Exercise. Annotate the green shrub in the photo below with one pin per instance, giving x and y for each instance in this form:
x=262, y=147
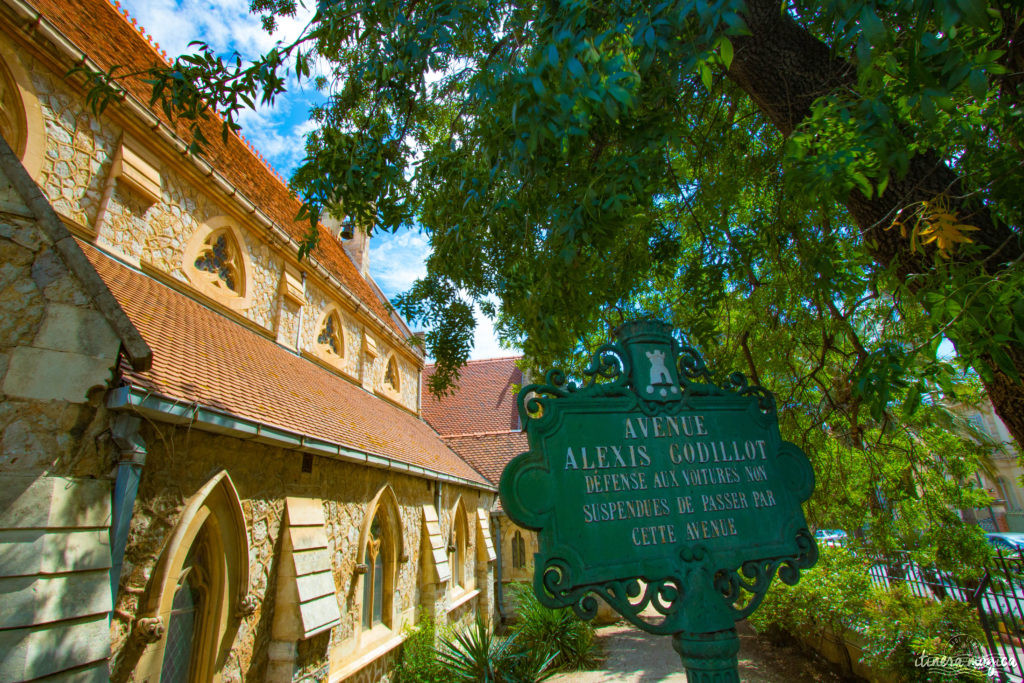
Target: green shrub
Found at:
x=558, y=632
x=897, y=627
x=419, y=662
x=833, y=594
x=901, y=627
x=477, y=655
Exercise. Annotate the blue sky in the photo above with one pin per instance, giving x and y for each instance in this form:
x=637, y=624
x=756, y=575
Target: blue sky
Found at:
x=278, y=131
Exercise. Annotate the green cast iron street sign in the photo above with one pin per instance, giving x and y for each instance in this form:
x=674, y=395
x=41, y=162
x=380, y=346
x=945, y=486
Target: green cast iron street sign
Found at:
x=651, y=486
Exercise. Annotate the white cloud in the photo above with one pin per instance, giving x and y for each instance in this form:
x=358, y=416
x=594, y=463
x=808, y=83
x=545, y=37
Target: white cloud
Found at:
x=399, y=259
x=278, y=132
x=226, y=25
x=485, y=341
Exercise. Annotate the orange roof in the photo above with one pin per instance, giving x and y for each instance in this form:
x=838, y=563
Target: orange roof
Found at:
x=489, y=453
x=483, y=402
x=101, y=32
x=202, y=356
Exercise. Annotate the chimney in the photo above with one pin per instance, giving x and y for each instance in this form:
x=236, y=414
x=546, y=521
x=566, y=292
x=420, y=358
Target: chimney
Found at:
x=354, y=239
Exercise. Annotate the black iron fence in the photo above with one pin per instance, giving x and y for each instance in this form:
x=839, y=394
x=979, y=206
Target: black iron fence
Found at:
x=999, y=600
x=997, y=596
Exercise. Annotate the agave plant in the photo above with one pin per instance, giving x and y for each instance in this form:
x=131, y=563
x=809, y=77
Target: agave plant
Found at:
x=559, y=631
x=478, y=655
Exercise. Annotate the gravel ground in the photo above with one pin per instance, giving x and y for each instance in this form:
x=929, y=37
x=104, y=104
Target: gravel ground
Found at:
x=633, y=656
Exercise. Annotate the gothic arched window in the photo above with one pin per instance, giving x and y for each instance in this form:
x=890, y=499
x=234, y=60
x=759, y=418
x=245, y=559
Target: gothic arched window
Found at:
x=518, y=551
x=191, y=614
x=186, y=622
x=373, y=583
x=379, y=553
x=457, y=545
x=392, y=379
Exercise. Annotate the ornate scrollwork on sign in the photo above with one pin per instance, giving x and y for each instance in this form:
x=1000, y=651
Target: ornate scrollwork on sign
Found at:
x=652, y=486
x=744, y=589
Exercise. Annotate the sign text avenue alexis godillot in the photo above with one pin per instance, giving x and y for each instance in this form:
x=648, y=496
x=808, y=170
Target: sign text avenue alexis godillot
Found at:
x=651, y=486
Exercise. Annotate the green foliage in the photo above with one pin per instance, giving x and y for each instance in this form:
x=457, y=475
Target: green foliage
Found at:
x=894, y=626
x=900, y=627
x=560, y=632
x=579, y=164
x=563, y=156
x=477, y=655
x=419, y=663
x=832, y=594
x=540, y=643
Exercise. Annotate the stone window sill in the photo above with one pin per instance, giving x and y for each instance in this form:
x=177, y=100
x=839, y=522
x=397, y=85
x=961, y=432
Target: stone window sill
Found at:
x=368, y=657
x=462, y=599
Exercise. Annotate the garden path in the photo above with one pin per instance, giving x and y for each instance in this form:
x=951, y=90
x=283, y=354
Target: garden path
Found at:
x=633, y=656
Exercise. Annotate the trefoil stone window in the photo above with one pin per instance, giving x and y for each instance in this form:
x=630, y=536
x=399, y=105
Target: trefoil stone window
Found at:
x=330, y=340
x=220, y=259
x=217, y=263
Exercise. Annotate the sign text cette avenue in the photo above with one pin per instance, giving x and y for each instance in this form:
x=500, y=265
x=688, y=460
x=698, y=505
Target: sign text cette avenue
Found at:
x=651, y=485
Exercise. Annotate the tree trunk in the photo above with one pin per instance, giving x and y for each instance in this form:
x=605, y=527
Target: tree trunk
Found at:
x=784, y=69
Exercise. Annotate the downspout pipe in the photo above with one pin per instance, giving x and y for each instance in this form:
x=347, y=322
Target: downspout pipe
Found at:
x=498, y=598
x=125, y=432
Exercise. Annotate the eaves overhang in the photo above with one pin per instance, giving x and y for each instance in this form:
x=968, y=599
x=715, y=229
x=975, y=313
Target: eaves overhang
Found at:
x=178, y=411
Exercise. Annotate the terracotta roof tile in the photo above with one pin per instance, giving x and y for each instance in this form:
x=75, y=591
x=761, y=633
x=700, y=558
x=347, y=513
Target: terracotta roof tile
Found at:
x=489, y=453
x=101, y=32
x=202, y=356
x=484, y=401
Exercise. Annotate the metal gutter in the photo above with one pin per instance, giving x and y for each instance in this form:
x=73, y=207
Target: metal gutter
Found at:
x=178, y=411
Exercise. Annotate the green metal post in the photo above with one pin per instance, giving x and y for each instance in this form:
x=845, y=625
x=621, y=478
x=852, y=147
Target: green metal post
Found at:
x=709, y=657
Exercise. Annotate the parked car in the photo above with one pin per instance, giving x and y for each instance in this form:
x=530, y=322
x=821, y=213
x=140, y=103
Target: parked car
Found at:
x=830, y=537
x=1006, y=541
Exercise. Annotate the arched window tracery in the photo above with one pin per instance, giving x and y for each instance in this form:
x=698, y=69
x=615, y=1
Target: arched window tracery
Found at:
x=200, y=588
x=220, y=258
x=217, y=263
x=380, y=552
x=330, y=339
x=458, y=544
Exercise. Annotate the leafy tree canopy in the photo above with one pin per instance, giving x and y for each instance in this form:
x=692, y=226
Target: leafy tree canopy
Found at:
x=772, y=174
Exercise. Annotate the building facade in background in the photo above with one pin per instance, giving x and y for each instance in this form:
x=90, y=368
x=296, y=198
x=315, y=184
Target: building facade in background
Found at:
x=1006, y=513
x=480, y=421
x=213, y=465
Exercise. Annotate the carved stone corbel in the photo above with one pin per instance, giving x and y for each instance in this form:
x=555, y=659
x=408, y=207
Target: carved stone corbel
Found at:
x=247, y=606
x=149, y=629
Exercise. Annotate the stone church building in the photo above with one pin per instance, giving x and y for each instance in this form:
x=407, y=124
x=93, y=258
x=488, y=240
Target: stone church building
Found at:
x=480, y=421
x=213, y=460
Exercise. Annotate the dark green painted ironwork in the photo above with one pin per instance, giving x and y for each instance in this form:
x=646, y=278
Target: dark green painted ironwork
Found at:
x=651, y=486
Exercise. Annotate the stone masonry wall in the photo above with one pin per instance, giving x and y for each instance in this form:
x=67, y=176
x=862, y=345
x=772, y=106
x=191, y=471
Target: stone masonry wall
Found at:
x=80, y=150
x=56, y=355
x=180, y=461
